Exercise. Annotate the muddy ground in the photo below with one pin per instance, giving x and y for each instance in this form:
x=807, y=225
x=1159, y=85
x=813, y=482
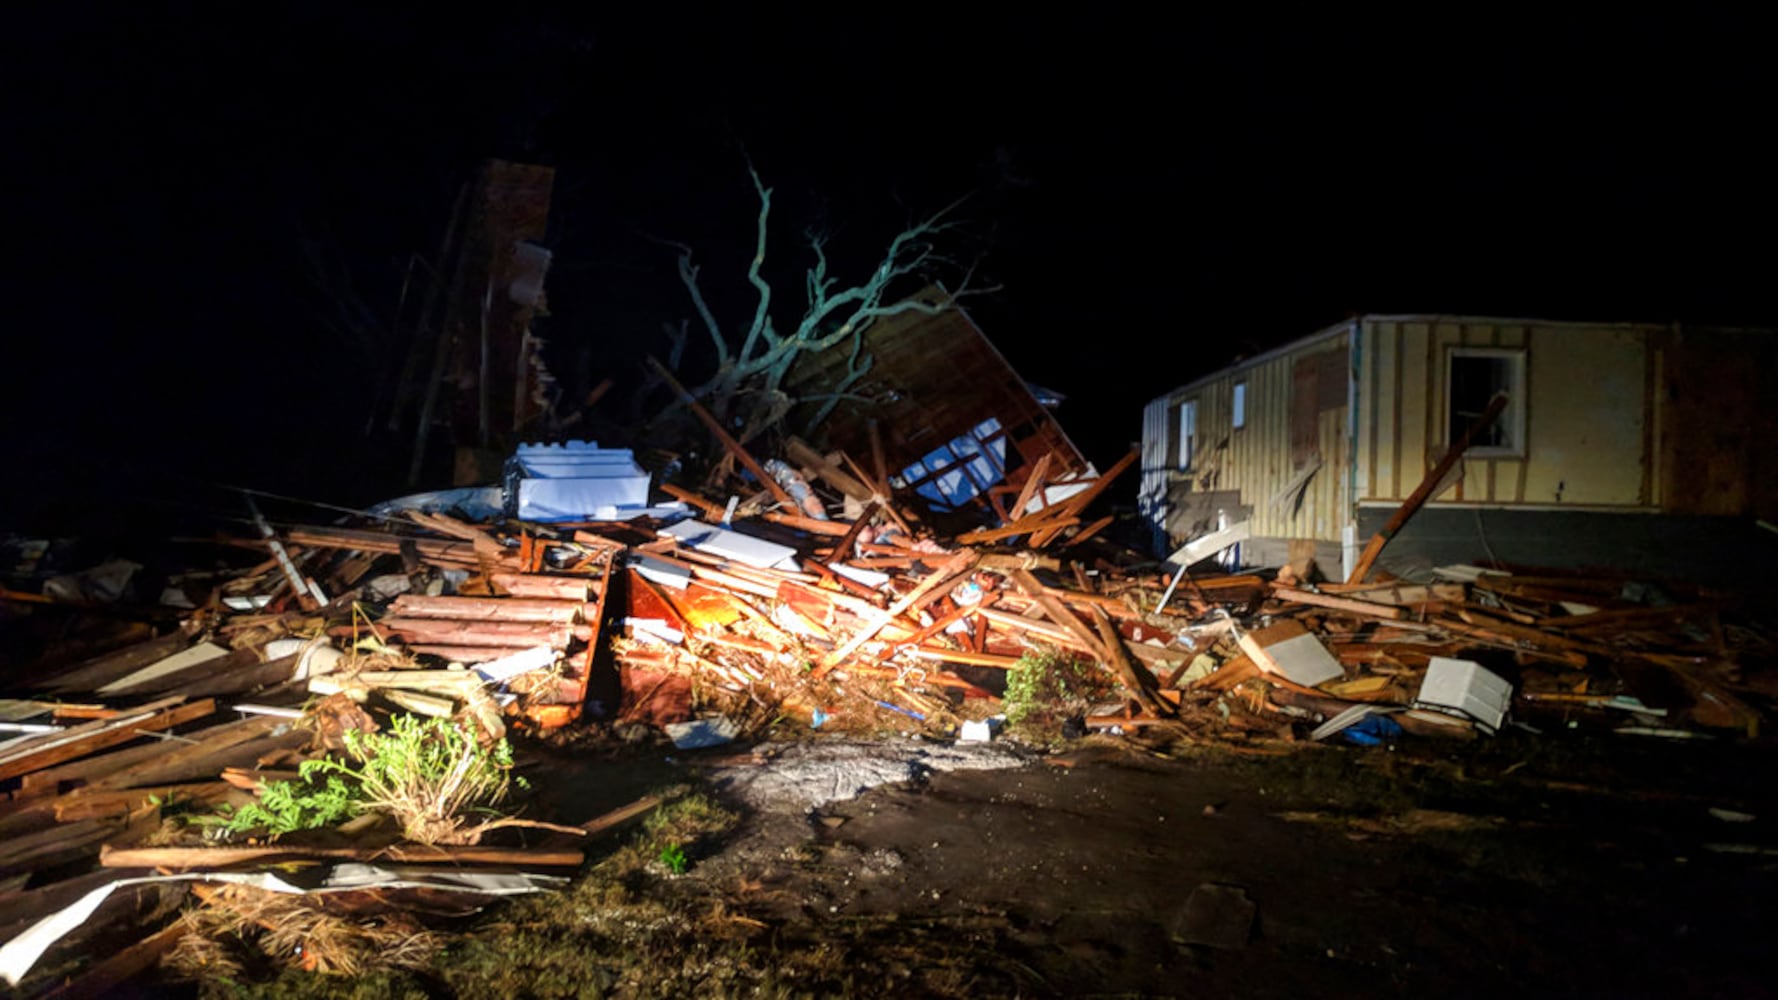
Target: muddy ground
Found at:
x=1529, y=864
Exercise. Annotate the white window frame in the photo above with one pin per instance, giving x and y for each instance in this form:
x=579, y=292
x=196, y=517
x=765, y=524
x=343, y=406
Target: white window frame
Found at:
x=1188, y=434
x=1512, y=418
x=1238, y=405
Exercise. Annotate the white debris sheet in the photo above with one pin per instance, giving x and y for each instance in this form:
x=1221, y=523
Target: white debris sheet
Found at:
x=809, y=775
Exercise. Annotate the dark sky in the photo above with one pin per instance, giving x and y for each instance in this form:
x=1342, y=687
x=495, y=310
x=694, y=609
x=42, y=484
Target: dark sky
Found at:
x=1156, y=196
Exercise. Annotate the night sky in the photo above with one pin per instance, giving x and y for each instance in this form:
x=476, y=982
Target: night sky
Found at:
x=1153, y=197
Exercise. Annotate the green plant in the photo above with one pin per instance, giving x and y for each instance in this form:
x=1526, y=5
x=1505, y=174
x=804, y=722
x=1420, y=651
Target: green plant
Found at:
x=288, y=806
x=672, y=857
x=432, y=775
x=1043, y=688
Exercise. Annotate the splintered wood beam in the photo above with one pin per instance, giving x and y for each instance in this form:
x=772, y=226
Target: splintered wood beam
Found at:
x=1052, y=631
x=1043, y=520
x=1056, y=610
x=1033, y=483
x=710, y=508
x=1091, y=529
x=799, y=451
x=1047, y=535
x=1424, y=491
x=778, y=492
x=1078, y=502
x=925, y=593
x=843, y=548
x=813, y=526
x=1138, y=680
x=429, y=549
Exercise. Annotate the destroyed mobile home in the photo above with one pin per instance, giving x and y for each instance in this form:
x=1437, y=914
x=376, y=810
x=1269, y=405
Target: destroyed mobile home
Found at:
x=724, y=624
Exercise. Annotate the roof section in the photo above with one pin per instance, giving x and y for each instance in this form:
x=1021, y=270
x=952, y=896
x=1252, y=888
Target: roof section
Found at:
x=1331, y=331
x=1327, y=333
x=933, y=377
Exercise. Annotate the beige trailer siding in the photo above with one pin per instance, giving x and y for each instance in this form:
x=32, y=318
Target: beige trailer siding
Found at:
x=1257, y=459
x=1588, y=388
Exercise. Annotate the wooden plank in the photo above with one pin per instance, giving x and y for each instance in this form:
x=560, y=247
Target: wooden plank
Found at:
x=51, y=779
x=1055, y=632
x=798, y=451
x=86, y=804
x=185, y=858
x=504, y=609
x=1049, y=534
x=963, y=656
x=67, y=746
x=1091, y=529
x=216, y=748
x=1057, y=611
x=710, y=508
x=813, y=526
x=202, y=661
x=430, y=550
x=842, y=549
x=1347, y=604
x=1033, y=483
x=722, y=436
x=104, y=669
x=599, y=824
x=240, y=680
x=448, y=631
x=61, y=843
x=564, y=588
x=923, y=594
x=1400, y=594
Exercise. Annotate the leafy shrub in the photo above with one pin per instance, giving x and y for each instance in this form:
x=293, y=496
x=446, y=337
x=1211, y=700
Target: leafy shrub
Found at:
x=1042, y=689
x=430, y=774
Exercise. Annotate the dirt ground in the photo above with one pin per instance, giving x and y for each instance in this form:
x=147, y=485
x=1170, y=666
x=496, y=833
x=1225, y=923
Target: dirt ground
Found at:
x=1109, y=868
x=1529, y=864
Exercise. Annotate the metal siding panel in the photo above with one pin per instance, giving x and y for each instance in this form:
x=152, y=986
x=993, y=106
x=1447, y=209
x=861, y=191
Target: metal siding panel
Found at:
x=1412, y=380
x=1152, y=492
x=1385, y=393
x=1362, y=465
x=1584, y=427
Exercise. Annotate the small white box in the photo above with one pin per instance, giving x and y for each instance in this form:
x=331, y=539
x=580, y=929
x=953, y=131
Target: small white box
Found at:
x=1465, y=687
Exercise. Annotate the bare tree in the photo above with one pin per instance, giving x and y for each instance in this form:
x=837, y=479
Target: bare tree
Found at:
x=752, y=362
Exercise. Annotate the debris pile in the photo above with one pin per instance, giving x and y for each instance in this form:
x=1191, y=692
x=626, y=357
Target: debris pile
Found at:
x=807, y=604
